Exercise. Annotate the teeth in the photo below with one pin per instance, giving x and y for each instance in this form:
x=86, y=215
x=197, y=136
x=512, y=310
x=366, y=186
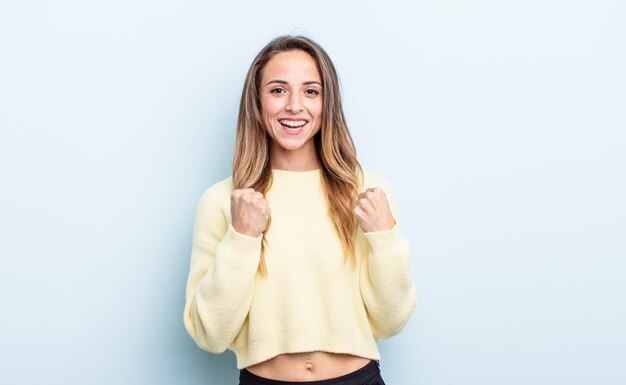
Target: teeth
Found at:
x=290, y=123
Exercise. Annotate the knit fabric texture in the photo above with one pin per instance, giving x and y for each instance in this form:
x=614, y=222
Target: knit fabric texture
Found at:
x=310, y=299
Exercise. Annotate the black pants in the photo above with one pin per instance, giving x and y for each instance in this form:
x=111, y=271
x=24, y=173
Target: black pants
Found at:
x=367, y=375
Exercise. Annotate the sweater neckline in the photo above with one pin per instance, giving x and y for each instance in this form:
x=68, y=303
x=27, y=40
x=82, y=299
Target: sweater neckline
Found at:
x=296, y=177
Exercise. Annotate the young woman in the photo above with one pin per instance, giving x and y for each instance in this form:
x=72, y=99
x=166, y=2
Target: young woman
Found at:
x=297, y=263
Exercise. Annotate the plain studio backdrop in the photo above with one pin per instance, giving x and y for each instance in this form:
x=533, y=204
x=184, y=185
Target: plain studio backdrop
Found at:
x=500, y=125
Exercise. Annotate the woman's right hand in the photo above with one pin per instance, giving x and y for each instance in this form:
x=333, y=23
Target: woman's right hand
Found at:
x=250, y=212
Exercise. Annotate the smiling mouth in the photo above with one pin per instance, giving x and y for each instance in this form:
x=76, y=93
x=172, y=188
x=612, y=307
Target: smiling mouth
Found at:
x=293, y=127
x=292, y=124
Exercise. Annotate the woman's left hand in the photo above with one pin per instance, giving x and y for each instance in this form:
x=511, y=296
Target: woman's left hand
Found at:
x=372, y=210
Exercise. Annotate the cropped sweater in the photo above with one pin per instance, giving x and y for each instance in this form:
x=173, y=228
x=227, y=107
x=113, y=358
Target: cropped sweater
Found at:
x=309, y=300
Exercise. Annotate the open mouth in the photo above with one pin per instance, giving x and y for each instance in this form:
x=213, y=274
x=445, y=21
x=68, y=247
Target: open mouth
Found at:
x=293, y=127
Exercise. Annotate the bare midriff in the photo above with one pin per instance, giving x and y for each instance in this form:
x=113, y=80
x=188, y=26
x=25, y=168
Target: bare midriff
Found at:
x=310, y=366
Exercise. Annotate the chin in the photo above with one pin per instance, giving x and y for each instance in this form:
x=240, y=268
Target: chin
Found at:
x=291, y=147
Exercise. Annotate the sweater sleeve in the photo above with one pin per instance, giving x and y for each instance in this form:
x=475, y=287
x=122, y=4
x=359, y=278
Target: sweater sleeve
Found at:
x=220, y=285
x=387, y=289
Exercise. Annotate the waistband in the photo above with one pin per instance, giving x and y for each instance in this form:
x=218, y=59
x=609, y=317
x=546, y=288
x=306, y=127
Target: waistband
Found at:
x=358, y=377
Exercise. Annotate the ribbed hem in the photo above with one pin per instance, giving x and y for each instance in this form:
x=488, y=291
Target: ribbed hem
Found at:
x=306, y=340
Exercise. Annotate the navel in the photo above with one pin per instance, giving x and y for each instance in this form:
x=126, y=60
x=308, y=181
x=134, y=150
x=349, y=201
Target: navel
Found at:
x=308, y=364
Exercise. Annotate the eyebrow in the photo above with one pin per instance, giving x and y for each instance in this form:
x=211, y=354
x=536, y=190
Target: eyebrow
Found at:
x=304, y=83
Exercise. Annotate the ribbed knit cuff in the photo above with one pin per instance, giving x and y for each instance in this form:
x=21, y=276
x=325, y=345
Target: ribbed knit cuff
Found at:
x=384, y=239
x=238, y=234
x=239, y=244
x=389, y=244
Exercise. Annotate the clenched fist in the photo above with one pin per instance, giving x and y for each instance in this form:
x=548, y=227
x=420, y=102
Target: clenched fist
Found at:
x=250, y=212
x=372, y=210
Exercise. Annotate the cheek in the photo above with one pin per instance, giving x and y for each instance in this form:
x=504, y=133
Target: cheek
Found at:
x=315, y=108
x=318, y=109
x=269, y=107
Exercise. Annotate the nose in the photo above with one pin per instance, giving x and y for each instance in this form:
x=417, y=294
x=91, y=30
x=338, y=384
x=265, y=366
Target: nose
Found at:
x=294, y=104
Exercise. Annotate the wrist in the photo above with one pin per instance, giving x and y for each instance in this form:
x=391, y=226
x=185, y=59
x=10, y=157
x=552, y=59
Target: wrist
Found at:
x=245, y=232
x=388, y=226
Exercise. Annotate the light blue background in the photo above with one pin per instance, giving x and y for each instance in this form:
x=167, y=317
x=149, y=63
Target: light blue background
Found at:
x=500, y=125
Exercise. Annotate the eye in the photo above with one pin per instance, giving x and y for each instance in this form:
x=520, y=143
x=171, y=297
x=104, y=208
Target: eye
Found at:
x=275, y=90
x=312, y=92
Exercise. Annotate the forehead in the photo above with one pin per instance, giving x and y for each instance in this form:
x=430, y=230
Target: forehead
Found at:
x=291, y=65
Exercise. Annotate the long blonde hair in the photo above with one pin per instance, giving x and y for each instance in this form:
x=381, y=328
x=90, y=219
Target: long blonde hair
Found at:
x=341, y=172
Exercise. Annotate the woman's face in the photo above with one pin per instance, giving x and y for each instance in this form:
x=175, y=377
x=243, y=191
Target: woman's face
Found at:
x=291, y=102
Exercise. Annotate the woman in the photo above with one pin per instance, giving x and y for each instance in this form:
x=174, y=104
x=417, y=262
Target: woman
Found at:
x=297, y=264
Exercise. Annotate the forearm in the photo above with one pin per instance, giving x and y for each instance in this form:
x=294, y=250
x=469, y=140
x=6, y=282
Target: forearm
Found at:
x=388, y=291
x=220, y=289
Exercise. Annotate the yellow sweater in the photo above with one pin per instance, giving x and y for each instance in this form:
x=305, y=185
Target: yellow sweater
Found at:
x=310, y=300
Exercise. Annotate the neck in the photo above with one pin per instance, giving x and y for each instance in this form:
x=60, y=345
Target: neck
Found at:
x=303, y=159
